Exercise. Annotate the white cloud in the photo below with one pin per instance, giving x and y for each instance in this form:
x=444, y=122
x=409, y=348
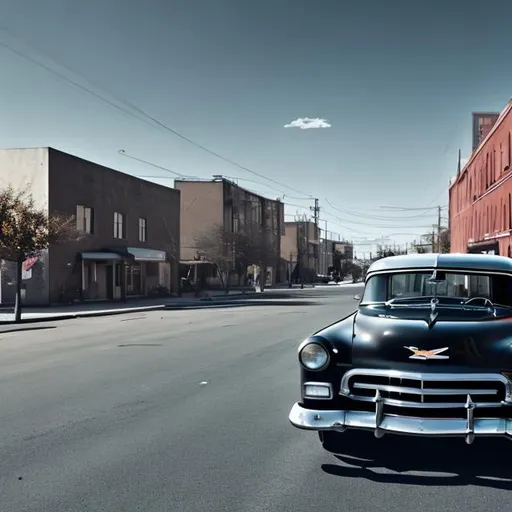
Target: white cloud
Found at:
x=308, y=123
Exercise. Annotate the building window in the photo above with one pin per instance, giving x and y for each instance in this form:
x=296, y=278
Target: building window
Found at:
x=143, y=225
x=119, y=225
x=510, y=211
x=84, y=219
x=509, y=152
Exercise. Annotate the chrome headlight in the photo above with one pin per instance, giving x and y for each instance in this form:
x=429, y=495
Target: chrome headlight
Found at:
x=314, y=357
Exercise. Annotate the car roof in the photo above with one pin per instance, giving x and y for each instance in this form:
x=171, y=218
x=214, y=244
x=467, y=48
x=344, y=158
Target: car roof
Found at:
x=476, y=262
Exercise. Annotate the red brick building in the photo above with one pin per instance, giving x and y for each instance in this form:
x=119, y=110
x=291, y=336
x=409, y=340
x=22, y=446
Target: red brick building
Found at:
x=481, y=194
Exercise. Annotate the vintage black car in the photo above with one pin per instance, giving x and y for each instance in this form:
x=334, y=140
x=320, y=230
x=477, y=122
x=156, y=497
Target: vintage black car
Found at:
x=428, y=352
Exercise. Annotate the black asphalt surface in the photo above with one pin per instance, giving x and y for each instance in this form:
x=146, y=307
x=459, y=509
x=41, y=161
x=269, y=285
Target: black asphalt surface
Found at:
x=188, y=411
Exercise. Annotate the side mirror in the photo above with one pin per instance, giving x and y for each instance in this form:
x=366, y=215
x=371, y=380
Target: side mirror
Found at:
x=357, y=297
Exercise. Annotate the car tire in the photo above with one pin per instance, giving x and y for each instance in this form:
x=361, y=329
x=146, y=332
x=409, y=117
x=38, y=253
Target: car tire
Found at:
x=331, y=440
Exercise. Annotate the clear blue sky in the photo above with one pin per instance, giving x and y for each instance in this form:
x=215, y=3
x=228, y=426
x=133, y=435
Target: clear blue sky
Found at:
x=396, y=80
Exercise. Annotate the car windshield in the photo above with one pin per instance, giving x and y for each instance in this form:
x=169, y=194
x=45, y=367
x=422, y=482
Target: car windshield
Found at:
x=413, y=285
x=453, y=285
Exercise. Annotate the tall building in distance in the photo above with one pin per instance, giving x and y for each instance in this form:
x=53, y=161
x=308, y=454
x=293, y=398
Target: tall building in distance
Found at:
x=482, y=125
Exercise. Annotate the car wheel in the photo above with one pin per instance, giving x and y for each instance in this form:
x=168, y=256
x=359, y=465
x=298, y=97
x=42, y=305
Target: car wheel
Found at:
x=331, y=440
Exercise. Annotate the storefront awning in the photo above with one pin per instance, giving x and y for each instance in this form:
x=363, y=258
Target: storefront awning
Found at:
x=138, y=254
x=195, y=262
x=147, y=254
x=100, y=256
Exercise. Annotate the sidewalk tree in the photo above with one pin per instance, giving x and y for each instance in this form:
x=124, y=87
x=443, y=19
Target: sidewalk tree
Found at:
x=27, y=230
x=234, y=252
x=219, y=246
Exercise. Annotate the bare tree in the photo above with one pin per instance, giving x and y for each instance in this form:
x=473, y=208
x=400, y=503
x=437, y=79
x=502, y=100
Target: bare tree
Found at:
x=222, y=248
x=26, y=231
x=440, y=244
x=445, y=240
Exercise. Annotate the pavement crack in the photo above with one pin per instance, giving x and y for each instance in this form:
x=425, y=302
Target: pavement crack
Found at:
x=140, y=345
x=133, y=318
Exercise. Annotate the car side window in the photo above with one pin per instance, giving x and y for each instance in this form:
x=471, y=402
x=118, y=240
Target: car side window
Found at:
x=479, y=286
x=407, y=285
x=375, y=289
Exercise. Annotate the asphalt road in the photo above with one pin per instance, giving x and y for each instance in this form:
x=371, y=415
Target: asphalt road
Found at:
x=188, y=411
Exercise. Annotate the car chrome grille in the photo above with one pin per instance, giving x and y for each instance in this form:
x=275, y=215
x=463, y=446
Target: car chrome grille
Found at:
x=427, y=390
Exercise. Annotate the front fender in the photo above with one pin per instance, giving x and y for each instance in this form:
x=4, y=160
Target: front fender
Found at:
x=337, y=340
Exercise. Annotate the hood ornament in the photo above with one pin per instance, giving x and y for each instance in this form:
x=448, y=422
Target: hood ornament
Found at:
x=433, y=313
x=423, y=355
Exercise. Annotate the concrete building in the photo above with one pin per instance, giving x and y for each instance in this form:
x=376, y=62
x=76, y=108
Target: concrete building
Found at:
x=480, y=207
x=333, y=254
x=221, y=202
x=344, y=249
x=131, y=227
x=300, y=250
x=326, y=256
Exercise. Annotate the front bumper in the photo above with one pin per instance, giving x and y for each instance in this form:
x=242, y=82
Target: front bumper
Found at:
x=380, y=424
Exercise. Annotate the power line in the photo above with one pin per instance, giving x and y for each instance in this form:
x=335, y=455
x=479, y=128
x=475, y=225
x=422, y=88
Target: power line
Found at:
x=154, y=121
x=179, y=175
x=174, y=173
x=377, y=217
x=147, y=116
x=405, y=208
x=234, y=178
x=380, y=226
x=146, y=162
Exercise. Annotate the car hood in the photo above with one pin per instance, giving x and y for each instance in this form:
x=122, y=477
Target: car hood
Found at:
x=405, y=343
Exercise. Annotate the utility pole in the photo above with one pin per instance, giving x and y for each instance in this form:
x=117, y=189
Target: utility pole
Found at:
x=290, y=270
x=316, y=211
x=326, y=248
x=316, y=215
x=301, y=238
x=439, y=229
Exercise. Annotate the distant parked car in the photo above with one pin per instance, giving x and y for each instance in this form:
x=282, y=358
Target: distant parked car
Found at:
x=427, y=352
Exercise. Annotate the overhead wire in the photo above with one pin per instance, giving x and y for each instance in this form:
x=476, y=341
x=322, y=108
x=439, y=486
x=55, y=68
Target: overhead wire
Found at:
x=154, y=120
x=152, y=164
x=406, y=208
x=376, y=217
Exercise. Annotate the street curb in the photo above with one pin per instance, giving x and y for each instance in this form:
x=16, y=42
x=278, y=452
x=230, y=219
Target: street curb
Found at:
x=70, y=316
x=195, y=305
x=159, y=307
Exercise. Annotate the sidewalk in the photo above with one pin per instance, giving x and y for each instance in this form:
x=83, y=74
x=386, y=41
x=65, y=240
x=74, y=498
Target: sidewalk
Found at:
x=31, y=314
x=91, y=309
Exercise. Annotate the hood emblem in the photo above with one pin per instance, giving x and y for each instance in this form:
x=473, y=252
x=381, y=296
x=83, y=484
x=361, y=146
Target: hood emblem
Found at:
x=433, y=313
x=423, y=355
